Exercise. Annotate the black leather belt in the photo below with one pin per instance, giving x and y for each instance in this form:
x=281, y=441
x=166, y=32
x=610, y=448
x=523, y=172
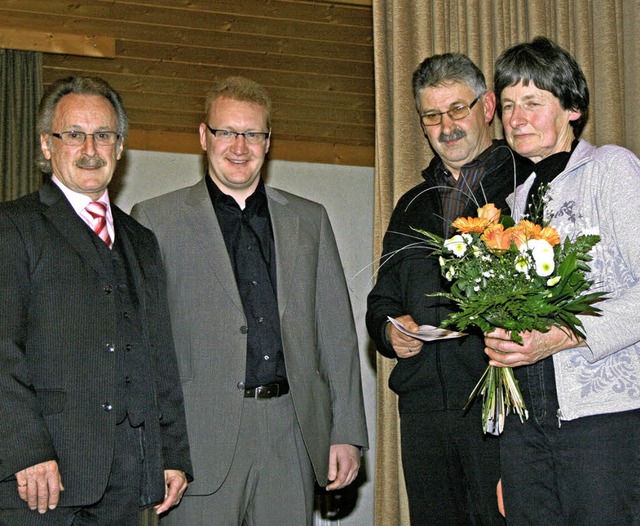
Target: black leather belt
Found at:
x=268, y=391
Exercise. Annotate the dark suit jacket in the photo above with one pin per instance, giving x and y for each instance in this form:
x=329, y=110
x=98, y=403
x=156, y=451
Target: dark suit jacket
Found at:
x=57, y=321
x=318, y=333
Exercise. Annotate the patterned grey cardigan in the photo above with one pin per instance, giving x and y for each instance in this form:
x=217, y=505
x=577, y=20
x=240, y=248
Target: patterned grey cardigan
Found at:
x=599, y=193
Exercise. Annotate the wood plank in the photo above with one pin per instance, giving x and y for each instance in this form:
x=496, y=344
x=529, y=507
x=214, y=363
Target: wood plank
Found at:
x=205, y=56
x=311, y=11
x=217, y=40
x=57, y=42
x=245, y=23
x=177, y=89
x=206, y=74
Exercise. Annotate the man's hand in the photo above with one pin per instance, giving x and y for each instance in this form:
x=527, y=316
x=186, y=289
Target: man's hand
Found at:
x=344, y=463
x=535, y=346
x=404, y=346
x=40, y=486
x=176, y=484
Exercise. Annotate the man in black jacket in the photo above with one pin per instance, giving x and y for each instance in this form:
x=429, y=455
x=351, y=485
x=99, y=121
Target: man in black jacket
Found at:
x=451, y=469
x=93, y=425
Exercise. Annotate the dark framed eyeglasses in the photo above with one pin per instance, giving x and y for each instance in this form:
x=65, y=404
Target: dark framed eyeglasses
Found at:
x=78, y=138
x=251, y=137
x=457, y=113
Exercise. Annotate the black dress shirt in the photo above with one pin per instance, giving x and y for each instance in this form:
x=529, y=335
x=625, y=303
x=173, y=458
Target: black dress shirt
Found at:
x=248, y=236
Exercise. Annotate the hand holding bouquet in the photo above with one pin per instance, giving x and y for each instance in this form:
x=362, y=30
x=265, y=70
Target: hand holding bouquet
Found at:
x=516, y=276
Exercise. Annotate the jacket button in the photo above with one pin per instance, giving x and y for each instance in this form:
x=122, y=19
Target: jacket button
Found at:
x=244, y=329
x=107, y=289
x=111, y=347
x=240, y=385
x=107, y=406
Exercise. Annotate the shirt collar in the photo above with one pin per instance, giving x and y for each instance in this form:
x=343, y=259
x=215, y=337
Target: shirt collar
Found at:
x=79, y=202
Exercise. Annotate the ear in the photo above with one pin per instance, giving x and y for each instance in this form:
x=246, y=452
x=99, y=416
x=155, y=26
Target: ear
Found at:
x=489, y=105
x=574, y=115
x=119, y=150
x=268, y=144
x=203, y=136
x=44, y=145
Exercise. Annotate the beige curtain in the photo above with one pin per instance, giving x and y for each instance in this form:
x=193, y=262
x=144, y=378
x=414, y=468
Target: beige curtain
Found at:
x=20, y=93
x=601, y=34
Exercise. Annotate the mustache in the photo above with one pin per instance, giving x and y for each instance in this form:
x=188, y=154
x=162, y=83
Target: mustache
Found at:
x=90, y=162
x=453, y=136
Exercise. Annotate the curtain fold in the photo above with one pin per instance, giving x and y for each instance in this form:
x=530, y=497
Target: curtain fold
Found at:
x=603, y=35
x=20, y=93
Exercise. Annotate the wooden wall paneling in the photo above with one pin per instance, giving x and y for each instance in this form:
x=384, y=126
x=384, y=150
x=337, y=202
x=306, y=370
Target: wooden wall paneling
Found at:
x=314, y=57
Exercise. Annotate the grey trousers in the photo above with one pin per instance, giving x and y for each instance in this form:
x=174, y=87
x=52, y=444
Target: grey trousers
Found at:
x=271, y=478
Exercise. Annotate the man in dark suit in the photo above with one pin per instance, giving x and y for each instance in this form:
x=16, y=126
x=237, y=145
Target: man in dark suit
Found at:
x=93, y=426
x=264, y=332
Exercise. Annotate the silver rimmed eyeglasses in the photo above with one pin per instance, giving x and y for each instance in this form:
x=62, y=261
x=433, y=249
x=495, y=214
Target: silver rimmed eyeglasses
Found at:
x=78, y=138
x=252, y=137
x=456, y=113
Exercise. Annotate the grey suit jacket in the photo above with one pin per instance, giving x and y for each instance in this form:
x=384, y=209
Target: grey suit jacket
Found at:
x=318, y=333
x=58, y=327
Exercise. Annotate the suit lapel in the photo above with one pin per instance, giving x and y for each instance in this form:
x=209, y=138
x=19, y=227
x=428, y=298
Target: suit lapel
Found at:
x=71, y=227
x=285, y=232
x=204, y=229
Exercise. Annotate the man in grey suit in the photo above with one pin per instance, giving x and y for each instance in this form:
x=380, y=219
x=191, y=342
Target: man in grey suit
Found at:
x=93, y=426
x=264, y=332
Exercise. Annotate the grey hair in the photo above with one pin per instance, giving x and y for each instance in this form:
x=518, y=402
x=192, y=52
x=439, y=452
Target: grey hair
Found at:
x=446, y=68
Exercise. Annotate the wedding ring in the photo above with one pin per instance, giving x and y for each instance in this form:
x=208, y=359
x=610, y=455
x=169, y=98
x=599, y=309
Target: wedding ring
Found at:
x=22, y=485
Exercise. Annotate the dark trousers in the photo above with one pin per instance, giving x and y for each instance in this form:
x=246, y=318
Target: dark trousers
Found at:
x=451, y=469
x=119, y=506
x=583, y=472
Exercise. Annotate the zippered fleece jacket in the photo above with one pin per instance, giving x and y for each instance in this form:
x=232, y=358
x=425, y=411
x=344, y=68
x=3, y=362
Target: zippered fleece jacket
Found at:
x=599, y=193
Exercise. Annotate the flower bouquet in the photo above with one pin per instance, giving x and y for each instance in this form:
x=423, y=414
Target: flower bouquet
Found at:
x=516, y=276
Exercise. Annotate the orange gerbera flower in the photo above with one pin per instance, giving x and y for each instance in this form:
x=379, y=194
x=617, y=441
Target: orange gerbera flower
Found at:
x=489, y=212
x=530, y=230
x=520, y=233
x=467, y=225
x=550, y=235
x=496, y=237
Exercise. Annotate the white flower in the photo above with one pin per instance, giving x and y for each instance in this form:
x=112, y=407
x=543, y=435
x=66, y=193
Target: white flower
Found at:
x=545, y=267
x=553, y=281
x=456, y=244
x=540, y=249
x=542, y=253
x=442, y=261
x=522, y=263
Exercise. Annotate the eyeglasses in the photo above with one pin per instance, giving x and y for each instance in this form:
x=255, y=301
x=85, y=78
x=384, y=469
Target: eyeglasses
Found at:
x=78, y=138
x=457, y=113
x=230, y=136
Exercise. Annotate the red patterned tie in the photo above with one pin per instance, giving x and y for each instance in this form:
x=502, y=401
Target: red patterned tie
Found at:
x=98, y=212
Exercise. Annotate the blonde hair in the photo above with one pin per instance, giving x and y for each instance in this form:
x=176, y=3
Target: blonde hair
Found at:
x=240, y=89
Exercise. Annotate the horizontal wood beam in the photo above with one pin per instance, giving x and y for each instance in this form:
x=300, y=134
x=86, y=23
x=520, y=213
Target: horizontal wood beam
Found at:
x=281, y=150
x=56, y=42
